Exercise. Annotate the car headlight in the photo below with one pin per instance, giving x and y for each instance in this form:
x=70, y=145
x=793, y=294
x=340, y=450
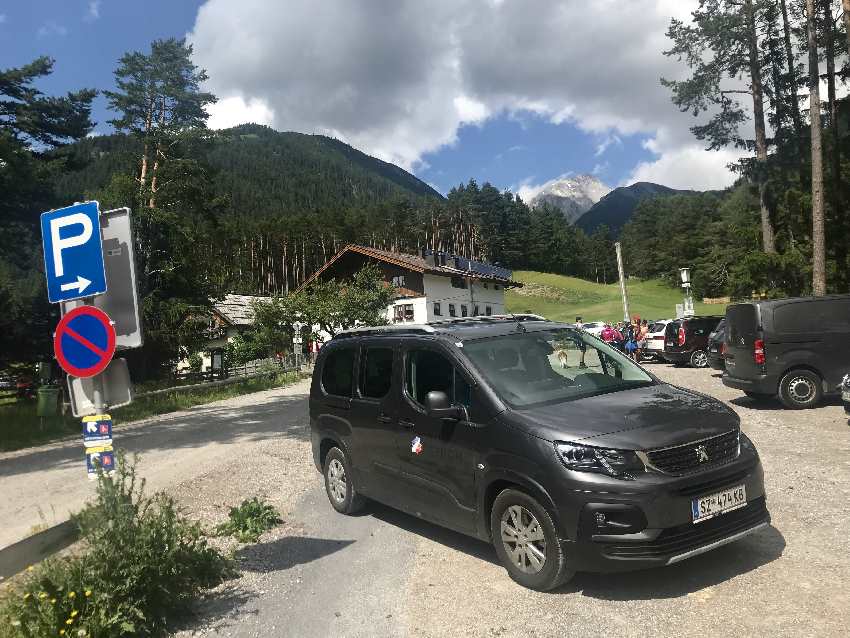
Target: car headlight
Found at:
x=621, y=464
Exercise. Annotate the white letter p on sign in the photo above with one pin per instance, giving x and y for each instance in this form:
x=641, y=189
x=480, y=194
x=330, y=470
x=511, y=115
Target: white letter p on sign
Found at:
x=69, y=242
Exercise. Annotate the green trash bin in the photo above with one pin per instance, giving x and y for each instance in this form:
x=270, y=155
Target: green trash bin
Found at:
x=48, y=401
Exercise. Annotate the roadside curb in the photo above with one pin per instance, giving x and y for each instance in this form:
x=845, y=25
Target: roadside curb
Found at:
x=34, y=549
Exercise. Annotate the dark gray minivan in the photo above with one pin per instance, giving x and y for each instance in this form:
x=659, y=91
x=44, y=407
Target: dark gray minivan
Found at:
x=797, y=348
x=536, y=437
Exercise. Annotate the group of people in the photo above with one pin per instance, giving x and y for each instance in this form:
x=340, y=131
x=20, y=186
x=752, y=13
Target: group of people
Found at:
x=628, y=337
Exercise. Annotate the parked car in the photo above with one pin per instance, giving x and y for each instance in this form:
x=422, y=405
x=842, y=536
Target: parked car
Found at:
x=534, y=436
x=7, y=384
x=796, y=348
x=686, y=340
x=717, y=347
x=845, y=392
x=594, y=327
x=655, y=340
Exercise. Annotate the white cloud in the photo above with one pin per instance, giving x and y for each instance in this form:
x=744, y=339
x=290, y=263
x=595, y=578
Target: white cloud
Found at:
x=687, y=167
x=398, y=79
x=50, y=29
x=234, y=110
x=93, y=11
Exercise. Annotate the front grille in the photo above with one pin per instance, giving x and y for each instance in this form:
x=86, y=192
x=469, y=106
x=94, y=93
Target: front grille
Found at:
x=687, y=537
x=689, y=457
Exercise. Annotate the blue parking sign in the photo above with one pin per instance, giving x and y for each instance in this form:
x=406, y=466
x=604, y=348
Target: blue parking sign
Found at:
x=73, y=253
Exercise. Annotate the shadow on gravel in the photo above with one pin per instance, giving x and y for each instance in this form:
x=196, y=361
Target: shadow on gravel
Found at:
x=222, y=606
x=774, y=405
x=453, y=540
x=286, y=552
x=687, y=577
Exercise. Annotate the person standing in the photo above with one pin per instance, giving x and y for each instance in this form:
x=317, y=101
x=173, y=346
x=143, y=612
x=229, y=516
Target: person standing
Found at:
x=642, y=331
x=607, y=333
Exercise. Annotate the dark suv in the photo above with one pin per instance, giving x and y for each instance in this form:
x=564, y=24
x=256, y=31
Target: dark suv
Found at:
x=534, y=436
x=717, y=347
x=797, y=348
x=686, y=340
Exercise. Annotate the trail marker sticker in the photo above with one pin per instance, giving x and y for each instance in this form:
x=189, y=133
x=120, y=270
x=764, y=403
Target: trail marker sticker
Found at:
x=97, y=430
x=84, y=341
x=73, y=254
x=103, y=456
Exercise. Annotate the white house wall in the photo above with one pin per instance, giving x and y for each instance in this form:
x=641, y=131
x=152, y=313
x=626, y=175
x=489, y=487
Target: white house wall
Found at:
x=439, y=290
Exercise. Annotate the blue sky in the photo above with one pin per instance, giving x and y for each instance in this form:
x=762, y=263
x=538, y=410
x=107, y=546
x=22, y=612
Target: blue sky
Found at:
x=420, y=85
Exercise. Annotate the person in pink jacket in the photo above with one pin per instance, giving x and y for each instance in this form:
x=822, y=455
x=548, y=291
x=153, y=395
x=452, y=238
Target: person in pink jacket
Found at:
x=607, y=333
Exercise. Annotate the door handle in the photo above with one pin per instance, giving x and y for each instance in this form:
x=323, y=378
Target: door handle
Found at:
x=383, y=418
x=406, y=424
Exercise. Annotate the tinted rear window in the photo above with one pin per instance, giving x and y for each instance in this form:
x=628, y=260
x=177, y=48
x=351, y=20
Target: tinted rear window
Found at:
x=657, y=327
x=338, y=373
x=816, y=315
x=741, y=324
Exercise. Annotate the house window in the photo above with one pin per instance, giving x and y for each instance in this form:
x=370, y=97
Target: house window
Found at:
x=486, y=285
x=452, y=312
x=403, y=313
x=488, y=310
x=496, y=286
x=475, y=311
x=398, y=281
x=463, y=311
x=458, y=282
x=437, y=311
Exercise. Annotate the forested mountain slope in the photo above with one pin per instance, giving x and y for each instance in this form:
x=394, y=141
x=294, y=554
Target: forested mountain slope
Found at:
x=261, y=171
x=616, y=208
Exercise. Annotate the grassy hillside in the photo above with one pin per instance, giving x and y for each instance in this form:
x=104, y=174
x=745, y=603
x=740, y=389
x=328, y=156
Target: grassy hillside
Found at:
x=563, y=298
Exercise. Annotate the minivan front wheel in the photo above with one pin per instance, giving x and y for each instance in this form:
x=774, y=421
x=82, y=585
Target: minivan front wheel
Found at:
x=338, y=485
x=800, y=389
x=699, y=359
x=526, y=541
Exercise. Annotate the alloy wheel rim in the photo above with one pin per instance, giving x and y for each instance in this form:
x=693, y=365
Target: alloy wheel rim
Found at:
x=700, y=359
x=337, y=484
x=800, y=389
x=523, y=539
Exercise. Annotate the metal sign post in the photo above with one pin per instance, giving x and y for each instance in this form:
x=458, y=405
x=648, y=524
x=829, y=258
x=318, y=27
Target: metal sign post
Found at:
x=86, y=254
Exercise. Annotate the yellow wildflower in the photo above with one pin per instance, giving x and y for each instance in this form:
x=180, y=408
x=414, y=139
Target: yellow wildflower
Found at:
x=52, y=601
x=71, y=594
x=61, y=632
x=26, y=596
x=74, y=613
x=30, y=568
x=42, y=595
x=88, y=593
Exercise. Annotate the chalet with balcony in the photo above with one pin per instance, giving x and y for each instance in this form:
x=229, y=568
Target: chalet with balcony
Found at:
x=430, y=286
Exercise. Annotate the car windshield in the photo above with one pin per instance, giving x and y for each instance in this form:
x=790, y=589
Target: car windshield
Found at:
x=552, y=366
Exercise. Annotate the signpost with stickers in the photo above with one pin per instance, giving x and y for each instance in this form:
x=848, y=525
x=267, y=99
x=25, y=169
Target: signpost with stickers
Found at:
x=90, y=270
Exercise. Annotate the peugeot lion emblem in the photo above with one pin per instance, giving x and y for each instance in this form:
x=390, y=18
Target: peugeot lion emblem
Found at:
x=702, y=453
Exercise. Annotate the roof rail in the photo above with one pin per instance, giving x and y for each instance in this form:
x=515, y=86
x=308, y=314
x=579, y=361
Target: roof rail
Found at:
x=488, y=319
x=416, y=328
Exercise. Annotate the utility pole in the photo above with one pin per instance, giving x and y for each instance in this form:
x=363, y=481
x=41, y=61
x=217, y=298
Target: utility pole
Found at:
x=626, y=314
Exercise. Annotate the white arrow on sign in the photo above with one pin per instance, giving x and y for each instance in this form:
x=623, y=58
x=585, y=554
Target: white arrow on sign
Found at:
x=92, y=427
x=81, y=284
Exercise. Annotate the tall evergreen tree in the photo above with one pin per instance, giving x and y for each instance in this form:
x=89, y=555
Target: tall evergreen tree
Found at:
x=720, y=46
x=818, y=240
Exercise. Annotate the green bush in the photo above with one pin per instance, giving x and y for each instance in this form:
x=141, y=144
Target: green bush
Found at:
x=248, y=521
x=142, y=566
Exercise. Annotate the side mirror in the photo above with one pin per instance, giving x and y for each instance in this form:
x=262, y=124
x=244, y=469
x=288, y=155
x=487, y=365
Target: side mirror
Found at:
x=440, y=407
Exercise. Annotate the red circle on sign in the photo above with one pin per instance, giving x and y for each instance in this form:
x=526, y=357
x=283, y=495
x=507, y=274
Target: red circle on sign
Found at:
x=104, y=355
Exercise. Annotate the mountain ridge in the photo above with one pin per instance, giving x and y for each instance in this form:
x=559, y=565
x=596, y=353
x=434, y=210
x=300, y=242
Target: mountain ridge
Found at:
x=615, y=209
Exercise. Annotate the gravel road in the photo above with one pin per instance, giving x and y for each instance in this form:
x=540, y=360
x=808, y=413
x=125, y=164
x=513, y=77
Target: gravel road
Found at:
x=387, y=574
x=42, y=485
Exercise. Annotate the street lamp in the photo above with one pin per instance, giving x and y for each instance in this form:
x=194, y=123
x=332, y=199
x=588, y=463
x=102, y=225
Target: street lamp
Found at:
x=688, y=307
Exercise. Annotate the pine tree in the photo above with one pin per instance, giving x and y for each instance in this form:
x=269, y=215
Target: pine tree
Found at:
x=818, y=242
x=720, y=46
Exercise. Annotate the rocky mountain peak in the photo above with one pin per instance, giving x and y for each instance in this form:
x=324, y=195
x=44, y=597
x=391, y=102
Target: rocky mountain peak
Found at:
x=573, y=195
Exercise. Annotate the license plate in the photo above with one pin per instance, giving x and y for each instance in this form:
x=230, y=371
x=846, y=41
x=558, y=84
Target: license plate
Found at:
x=669, y=343
x=706, y=507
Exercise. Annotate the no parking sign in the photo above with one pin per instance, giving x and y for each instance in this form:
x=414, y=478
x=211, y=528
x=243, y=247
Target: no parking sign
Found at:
x=84, y=341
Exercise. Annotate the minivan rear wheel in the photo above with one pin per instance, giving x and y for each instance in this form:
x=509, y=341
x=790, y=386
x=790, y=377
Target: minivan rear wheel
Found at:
x=699, y=359
x=526, y=541
x=800, y=389
x=338, y=485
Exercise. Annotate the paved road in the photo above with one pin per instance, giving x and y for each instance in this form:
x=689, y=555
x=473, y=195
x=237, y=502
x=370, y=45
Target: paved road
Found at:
x=41, y=486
